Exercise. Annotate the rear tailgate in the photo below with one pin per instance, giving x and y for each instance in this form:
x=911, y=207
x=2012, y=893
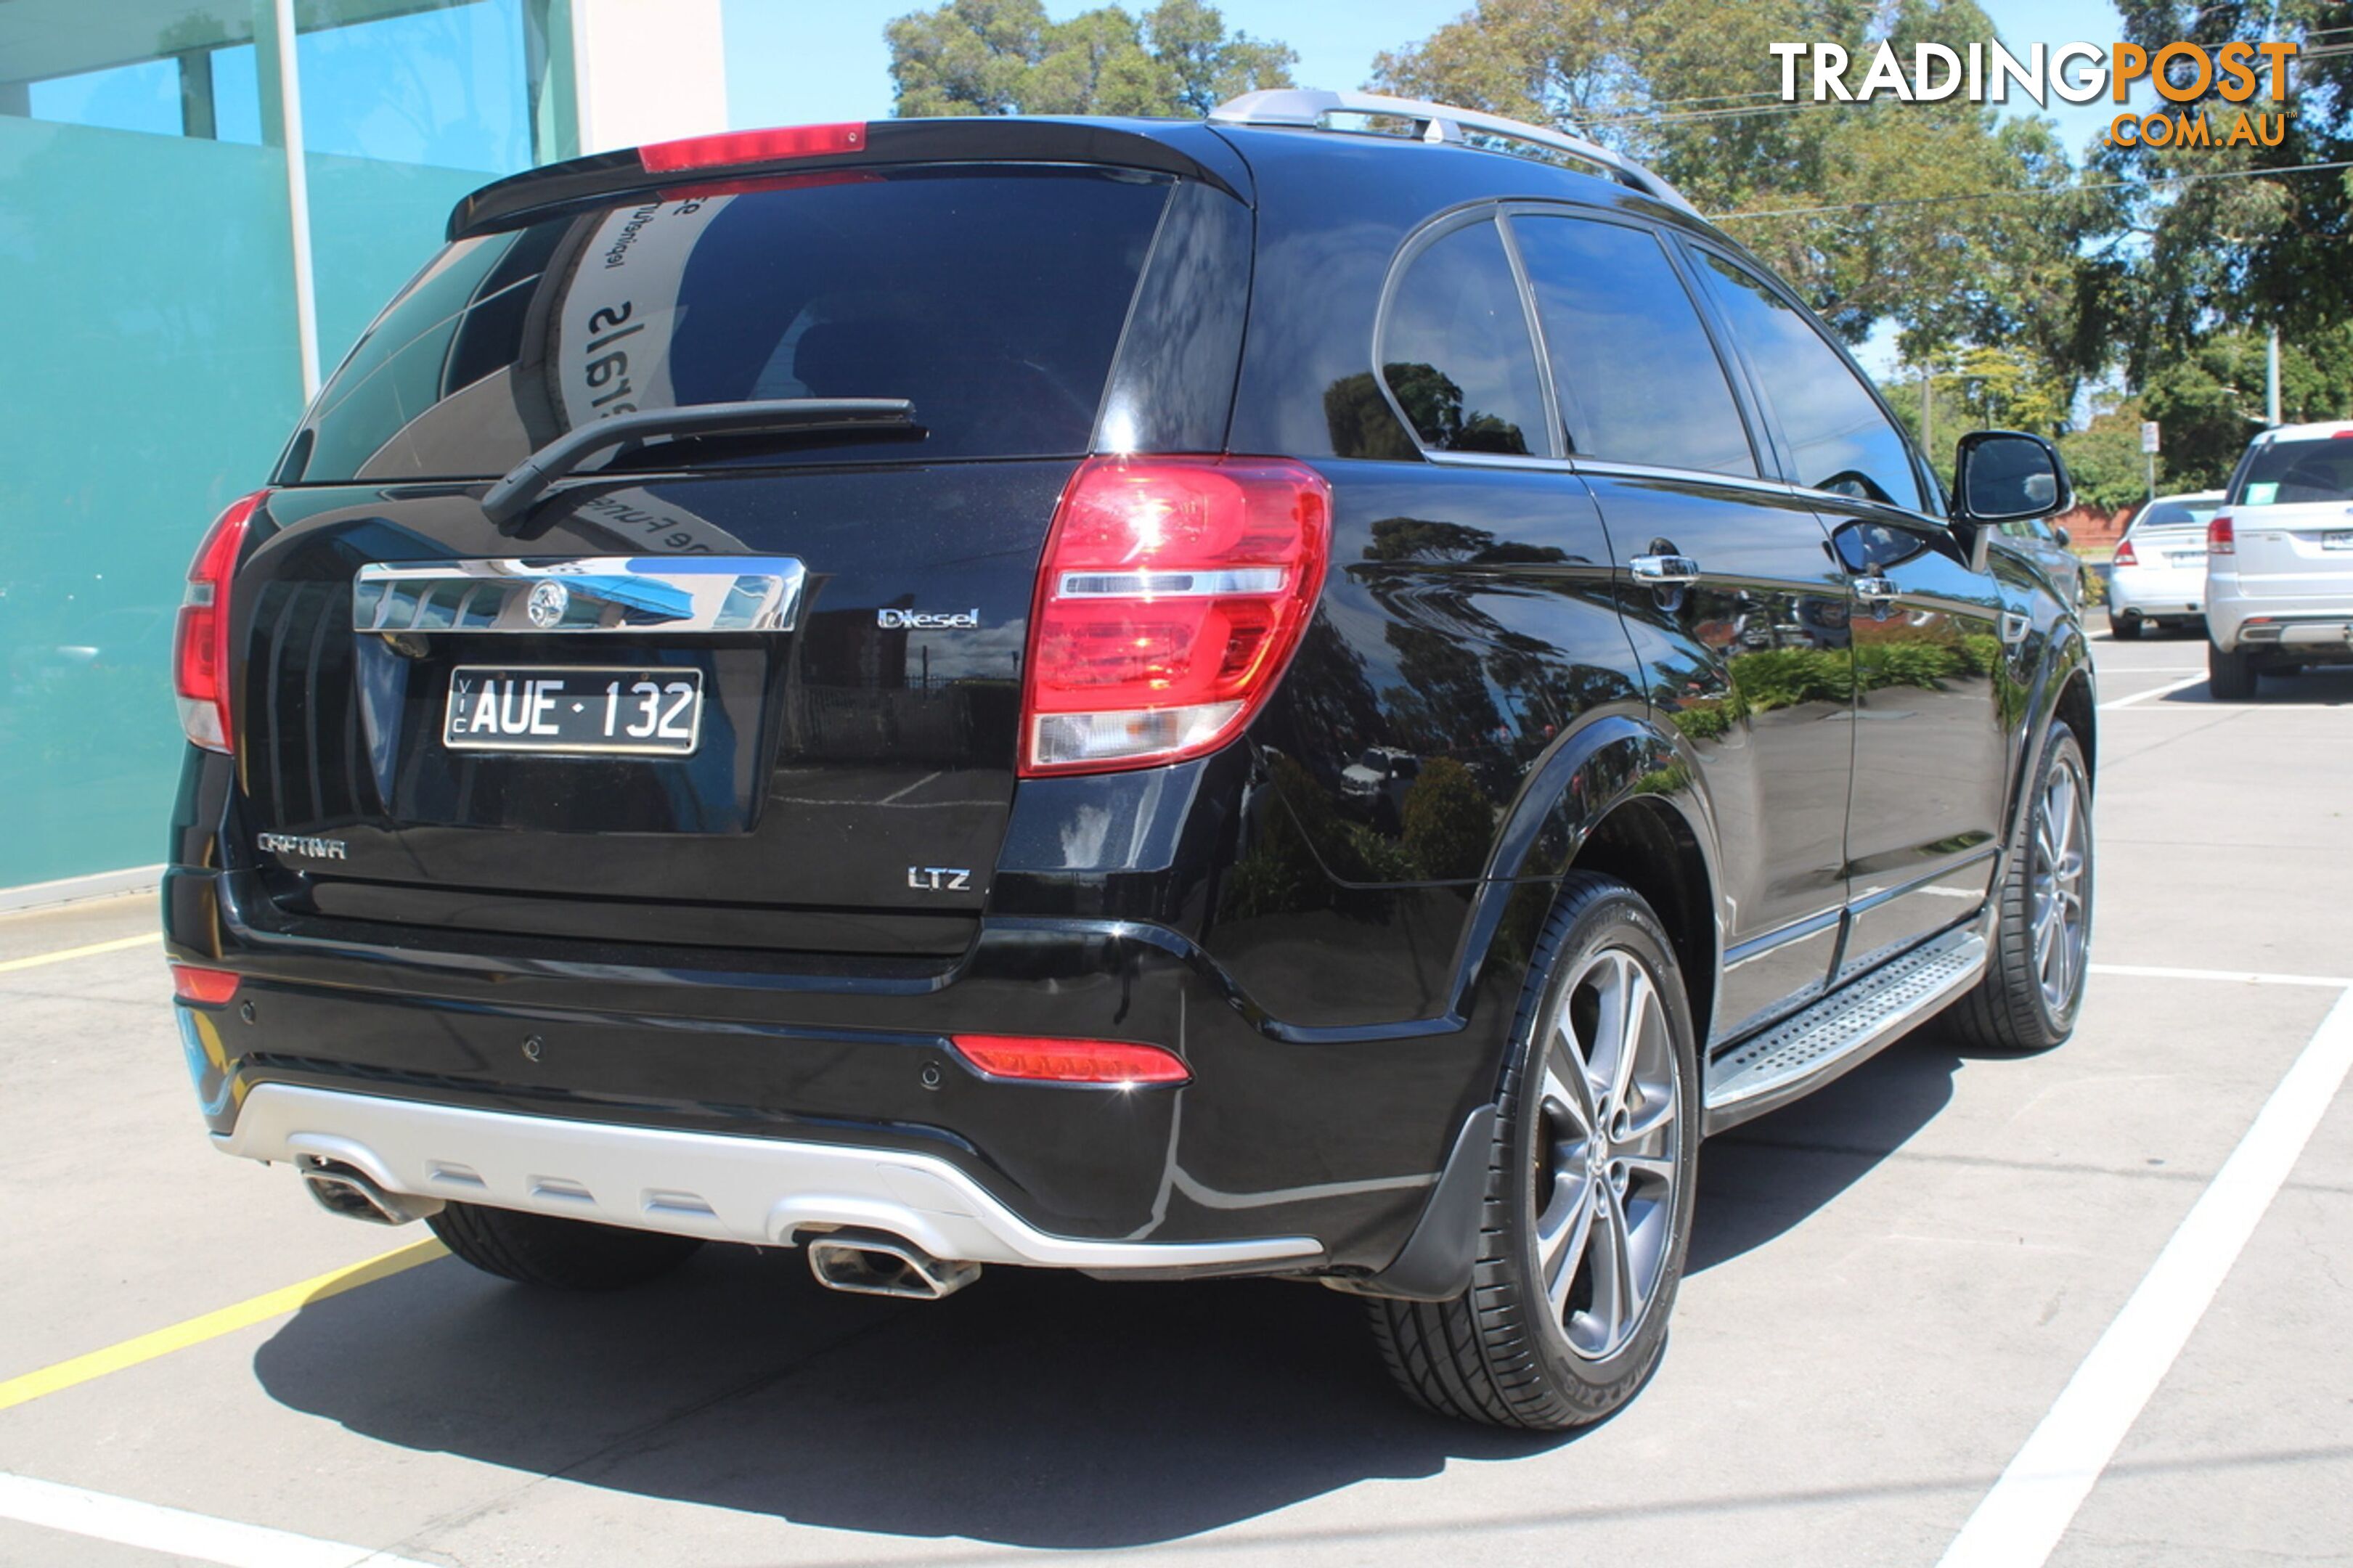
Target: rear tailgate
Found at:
x=2292, y=518
x=772, y=697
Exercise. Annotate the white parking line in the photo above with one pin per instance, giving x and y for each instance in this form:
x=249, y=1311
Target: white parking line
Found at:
x=2170, y=687
x=2239, y=976
x=198, y=1536
x=2021, y=1520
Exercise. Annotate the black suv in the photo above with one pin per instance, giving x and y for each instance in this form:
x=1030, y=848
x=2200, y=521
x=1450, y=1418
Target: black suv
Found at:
x=798, y=687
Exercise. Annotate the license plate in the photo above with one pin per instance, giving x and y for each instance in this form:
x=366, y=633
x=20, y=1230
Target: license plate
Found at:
x=571, y=708
x=2184, y=557
x=2337, y=539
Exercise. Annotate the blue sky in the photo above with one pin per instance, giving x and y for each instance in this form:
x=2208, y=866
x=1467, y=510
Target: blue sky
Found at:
x=800, y=61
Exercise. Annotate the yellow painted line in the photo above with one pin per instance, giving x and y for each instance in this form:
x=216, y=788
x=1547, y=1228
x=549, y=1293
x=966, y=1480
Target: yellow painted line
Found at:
x=118, y=945
x=211, y=1325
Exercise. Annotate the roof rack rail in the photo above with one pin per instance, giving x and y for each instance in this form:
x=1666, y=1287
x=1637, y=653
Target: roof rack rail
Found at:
x=1310, y=107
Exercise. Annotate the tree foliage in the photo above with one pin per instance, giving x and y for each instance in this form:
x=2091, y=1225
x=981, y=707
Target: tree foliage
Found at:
x=1004, y=56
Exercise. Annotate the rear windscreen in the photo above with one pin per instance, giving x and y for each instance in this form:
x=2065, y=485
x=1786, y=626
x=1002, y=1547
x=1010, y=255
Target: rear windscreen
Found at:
x=2287, y=473
x=991, y=298
x=2177, y=514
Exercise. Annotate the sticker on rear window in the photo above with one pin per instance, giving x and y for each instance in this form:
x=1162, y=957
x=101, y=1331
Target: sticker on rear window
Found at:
x=2259, y=495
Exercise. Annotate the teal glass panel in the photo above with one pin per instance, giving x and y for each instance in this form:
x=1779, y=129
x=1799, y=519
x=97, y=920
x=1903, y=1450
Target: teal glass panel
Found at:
x=149, y=66
x=150, y=313
x=140, y=97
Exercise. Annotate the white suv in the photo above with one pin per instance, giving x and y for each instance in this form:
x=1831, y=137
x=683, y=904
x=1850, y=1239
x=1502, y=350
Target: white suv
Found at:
x=2279, y=562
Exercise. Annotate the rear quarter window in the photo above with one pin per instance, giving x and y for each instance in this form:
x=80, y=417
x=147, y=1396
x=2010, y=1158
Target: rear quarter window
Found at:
x=1455, y=349
x=993, y=298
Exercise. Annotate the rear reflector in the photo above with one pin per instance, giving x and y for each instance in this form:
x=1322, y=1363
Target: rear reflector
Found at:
x=736, y=147
x=1043, y=1059
x=2220, y=540
x=1172, y=593
x=2125, y=556
x=200, y=642
x=210, y=986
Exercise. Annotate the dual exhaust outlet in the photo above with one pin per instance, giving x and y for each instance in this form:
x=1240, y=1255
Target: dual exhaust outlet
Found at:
x=863, y=1262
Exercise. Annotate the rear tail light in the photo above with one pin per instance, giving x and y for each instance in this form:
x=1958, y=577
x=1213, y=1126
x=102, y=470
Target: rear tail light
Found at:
x=2219, y=538
x=209, y=986
x=734, y=147
x=1172, y=593
x=2125, y=556
x=200, y=643
x=1045, y=1060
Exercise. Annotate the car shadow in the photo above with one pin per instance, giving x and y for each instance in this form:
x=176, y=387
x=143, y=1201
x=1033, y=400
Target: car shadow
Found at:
x=2324, y=685
x=1764, y=1177
x=1036, y=1409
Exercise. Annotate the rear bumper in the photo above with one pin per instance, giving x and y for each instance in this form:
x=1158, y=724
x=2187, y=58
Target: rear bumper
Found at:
x=762, y=1191
x=718, y=1094
x=2316, y=627
x=2157, y=592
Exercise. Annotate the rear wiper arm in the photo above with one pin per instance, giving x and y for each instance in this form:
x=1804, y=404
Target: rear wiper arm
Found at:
x=529, y=479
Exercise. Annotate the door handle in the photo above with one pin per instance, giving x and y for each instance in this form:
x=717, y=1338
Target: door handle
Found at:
x=1875, y=589
x=1664, y=571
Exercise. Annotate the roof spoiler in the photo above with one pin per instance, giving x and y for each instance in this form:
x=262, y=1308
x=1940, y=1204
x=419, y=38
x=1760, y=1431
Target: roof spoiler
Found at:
x=601, y=176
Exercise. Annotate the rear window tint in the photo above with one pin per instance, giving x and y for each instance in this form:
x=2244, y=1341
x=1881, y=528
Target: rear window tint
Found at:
x=2177, y=514
x=1455, y=348
x=2289, y=473
x=994, y=299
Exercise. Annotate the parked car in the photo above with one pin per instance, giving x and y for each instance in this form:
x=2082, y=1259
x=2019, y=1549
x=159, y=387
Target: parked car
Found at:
x=799, y=688
x=1375, y=784
x=2051, y=547
x=2159, y=576
x=2279, y=567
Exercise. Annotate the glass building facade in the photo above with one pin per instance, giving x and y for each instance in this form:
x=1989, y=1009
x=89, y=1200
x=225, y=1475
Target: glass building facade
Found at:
x=155, y=313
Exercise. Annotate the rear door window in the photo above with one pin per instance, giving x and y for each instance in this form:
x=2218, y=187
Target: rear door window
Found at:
x=991, y=298
x=1840, y=440
x=1609, y=298
x=1455, y=349
x=2293, y=473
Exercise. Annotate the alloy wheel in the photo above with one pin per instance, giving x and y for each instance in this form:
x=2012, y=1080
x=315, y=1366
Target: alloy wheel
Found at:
x=1608, y=1152
x=2059, y=869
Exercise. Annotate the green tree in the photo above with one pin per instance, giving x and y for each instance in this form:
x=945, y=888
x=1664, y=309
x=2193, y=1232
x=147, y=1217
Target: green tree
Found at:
x=2209, y=399
x=2104, y=458
x=1004, y=56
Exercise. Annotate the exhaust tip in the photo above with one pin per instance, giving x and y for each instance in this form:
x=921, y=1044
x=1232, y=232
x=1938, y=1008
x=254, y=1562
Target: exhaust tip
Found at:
x=340, y=1189
x=867, y=1263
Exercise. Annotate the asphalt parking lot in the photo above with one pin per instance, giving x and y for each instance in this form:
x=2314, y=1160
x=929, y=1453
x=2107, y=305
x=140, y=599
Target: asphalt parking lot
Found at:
x=1898, y=1289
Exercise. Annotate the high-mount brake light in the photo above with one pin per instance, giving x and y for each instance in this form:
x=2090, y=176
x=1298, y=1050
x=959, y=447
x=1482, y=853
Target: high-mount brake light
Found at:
x=210, y=987
x=1048, y=1059
x=1172, y=593
x=732, y=148
x=2124, y=555
x=2221, y=539
x=200, y=641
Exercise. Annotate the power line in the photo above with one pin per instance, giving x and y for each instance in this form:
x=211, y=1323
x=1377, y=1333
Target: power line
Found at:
x=2037, y=191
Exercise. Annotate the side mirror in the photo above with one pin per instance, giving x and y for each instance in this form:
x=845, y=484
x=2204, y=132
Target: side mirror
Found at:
x=2064, y=537
x=2005, y=476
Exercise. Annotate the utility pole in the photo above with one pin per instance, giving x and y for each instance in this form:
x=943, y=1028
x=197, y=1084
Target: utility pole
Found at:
x=2271, y=383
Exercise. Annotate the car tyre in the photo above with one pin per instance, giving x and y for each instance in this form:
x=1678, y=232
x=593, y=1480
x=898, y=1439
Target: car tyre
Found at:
x=1582, y=1236
x=2229, y=676
x=2032, y=988
x=2124, y=629
x=557, y=1254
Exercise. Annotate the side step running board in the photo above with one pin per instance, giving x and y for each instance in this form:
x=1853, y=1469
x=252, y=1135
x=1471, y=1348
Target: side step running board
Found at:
x=1840, y=1031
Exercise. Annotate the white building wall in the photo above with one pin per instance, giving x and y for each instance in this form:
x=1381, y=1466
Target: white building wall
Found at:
x=648, y=70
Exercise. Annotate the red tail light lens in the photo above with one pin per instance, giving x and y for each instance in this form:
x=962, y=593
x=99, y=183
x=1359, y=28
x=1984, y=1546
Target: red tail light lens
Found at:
x=1049, y=1060
x=734, y=147
x=200, y=644
x=209, y=986
x=2220, y=540
x=2125, y=556
x=1173, y=593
